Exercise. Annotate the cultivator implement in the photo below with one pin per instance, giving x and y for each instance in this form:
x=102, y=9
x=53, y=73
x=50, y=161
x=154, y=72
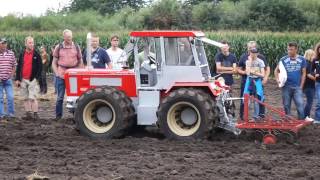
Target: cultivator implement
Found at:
x=275, y=123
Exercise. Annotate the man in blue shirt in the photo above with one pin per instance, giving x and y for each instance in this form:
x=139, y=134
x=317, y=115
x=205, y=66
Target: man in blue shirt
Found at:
x=99, y=56
x=242, y=70
x=226, y=64
x=295, y=67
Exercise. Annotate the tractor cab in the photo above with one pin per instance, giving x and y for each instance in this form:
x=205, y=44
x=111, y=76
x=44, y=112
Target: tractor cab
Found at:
x=163, y=58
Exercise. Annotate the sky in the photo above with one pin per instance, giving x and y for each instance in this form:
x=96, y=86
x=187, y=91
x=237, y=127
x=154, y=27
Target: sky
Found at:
x=30, y=7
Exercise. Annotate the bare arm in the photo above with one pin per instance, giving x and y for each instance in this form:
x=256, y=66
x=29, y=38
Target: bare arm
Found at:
x=266, y=75
x=310, y=76
x=55, y=65
x=260, y=74
x=276, y=73
x=222, y=68
x=240, y=71
x=109, y=65
x=248, y=67
x=303, y=78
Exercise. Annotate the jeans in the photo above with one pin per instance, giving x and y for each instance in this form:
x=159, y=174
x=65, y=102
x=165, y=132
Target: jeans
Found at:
x=241, y=95
x=317, y=113
x=60, y=96
x=7, y=86
x=261, y=107
x=295, y=93
x=55, y=84
x=309, y=92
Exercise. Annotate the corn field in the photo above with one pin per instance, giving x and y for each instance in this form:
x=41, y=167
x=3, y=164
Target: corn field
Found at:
x=272, y=45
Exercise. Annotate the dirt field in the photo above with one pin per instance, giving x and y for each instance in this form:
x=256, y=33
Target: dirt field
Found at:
x=56, y=150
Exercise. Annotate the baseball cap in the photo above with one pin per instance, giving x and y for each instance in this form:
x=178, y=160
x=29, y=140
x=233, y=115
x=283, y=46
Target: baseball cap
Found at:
x=3, y=40
x=254, y=50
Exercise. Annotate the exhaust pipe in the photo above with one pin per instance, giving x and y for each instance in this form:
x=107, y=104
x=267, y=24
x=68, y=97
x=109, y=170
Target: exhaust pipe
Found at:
x=89, y=65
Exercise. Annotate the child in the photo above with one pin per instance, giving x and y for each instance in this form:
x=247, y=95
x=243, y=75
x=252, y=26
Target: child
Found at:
x=255, y=73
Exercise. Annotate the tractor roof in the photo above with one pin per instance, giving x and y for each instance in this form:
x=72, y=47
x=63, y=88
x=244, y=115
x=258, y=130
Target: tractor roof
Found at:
x=167, y=34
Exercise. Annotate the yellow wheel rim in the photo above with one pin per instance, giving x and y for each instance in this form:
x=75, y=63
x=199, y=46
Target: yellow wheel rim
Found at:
x=175, y=123
x=90, y=118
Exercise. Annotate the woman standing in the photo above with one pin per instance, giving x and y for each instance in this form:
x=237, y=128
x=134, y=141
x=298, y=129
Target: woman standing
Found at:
x=45, y=63
x=316, y=70
x=309, y=85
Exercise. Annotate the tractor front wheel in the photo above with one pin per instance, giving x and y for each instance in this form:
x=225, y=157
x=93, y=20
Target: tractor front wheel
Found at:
x=103, y=112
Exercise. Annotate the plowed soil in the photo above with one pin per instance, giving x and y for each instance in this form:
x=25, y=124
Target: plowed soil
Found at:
x=58, y=151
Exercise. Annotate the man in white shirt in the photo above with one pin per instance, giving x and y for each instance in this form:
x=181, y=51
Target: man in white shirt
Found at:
x=117, y=55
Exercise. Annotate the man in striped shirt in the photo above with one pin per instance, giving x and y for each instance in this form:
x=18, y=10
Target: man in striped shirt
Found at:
x=7, y=67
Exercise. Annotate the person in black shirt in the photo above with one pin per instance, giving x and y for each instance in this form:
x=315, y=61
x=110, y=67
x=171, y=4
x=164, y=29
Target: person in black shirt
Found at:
x=309, y=85
x=99, y=56
x=316, y=70
x=242, y=71
x=226, y=64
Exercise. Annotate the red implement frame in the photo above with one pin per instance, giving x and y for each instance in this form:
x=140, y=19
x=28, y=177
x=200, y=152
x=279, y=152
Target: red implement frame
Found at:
x=268, y=123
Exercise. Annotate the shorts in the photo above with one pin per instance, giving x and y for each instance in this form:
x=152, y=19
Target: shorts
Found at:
x=29, y=89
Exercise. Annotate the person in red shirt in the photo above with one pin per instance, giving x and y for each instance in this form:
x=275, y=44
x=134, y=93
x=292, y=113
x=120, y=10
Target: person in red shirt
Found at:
x=27, y=77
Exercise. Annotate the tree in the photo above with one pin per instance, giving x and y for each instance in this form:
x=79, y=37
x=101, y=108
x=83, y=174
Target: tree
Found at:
x=104, y=6
x=206, y=16
x=164, y=15
x=275, y=15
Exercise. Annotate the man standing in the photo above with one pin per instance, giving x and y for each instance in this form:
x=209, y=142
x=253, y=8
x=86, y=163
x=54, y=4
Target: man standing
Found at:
x=7, y=67
x=226, y=63
x=295, y=66
x=99, y=56
x=117, y=55
x=66, y=55
x=27, y=77
x=242, y=70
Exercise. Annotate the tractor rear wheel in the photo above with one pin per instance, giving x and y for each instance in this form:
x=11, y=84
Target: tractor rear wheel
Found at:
x=186, y=113
x=103, y=112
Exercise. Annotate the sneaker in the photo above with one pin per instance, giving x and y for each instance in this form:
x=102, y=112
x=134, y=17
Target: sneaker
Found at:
x=309, y=119
x=28, y=116
x=316, y=122
x=36, y=116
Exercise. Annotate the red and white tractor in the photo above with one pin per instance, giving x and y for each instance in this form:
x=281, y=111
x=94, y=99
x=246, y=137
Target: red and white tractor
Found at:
x=169, y=87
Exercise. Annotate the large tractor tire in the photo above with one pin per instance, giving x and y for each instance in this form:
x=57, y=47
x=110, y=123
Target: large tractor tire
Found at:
x=104, y=112
x=186, y=113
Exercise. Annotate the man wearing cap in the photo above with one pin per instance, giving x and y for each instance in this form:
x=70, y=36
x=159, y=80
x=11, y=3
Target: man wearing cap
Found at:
x=242, y=71
x=295, y=66
x=7, y=67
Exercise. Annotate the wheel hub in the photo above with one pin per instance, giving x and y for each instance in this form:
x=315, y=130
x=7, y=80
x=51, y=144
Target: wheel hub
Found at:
x=189, y=116
x=104, y=114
